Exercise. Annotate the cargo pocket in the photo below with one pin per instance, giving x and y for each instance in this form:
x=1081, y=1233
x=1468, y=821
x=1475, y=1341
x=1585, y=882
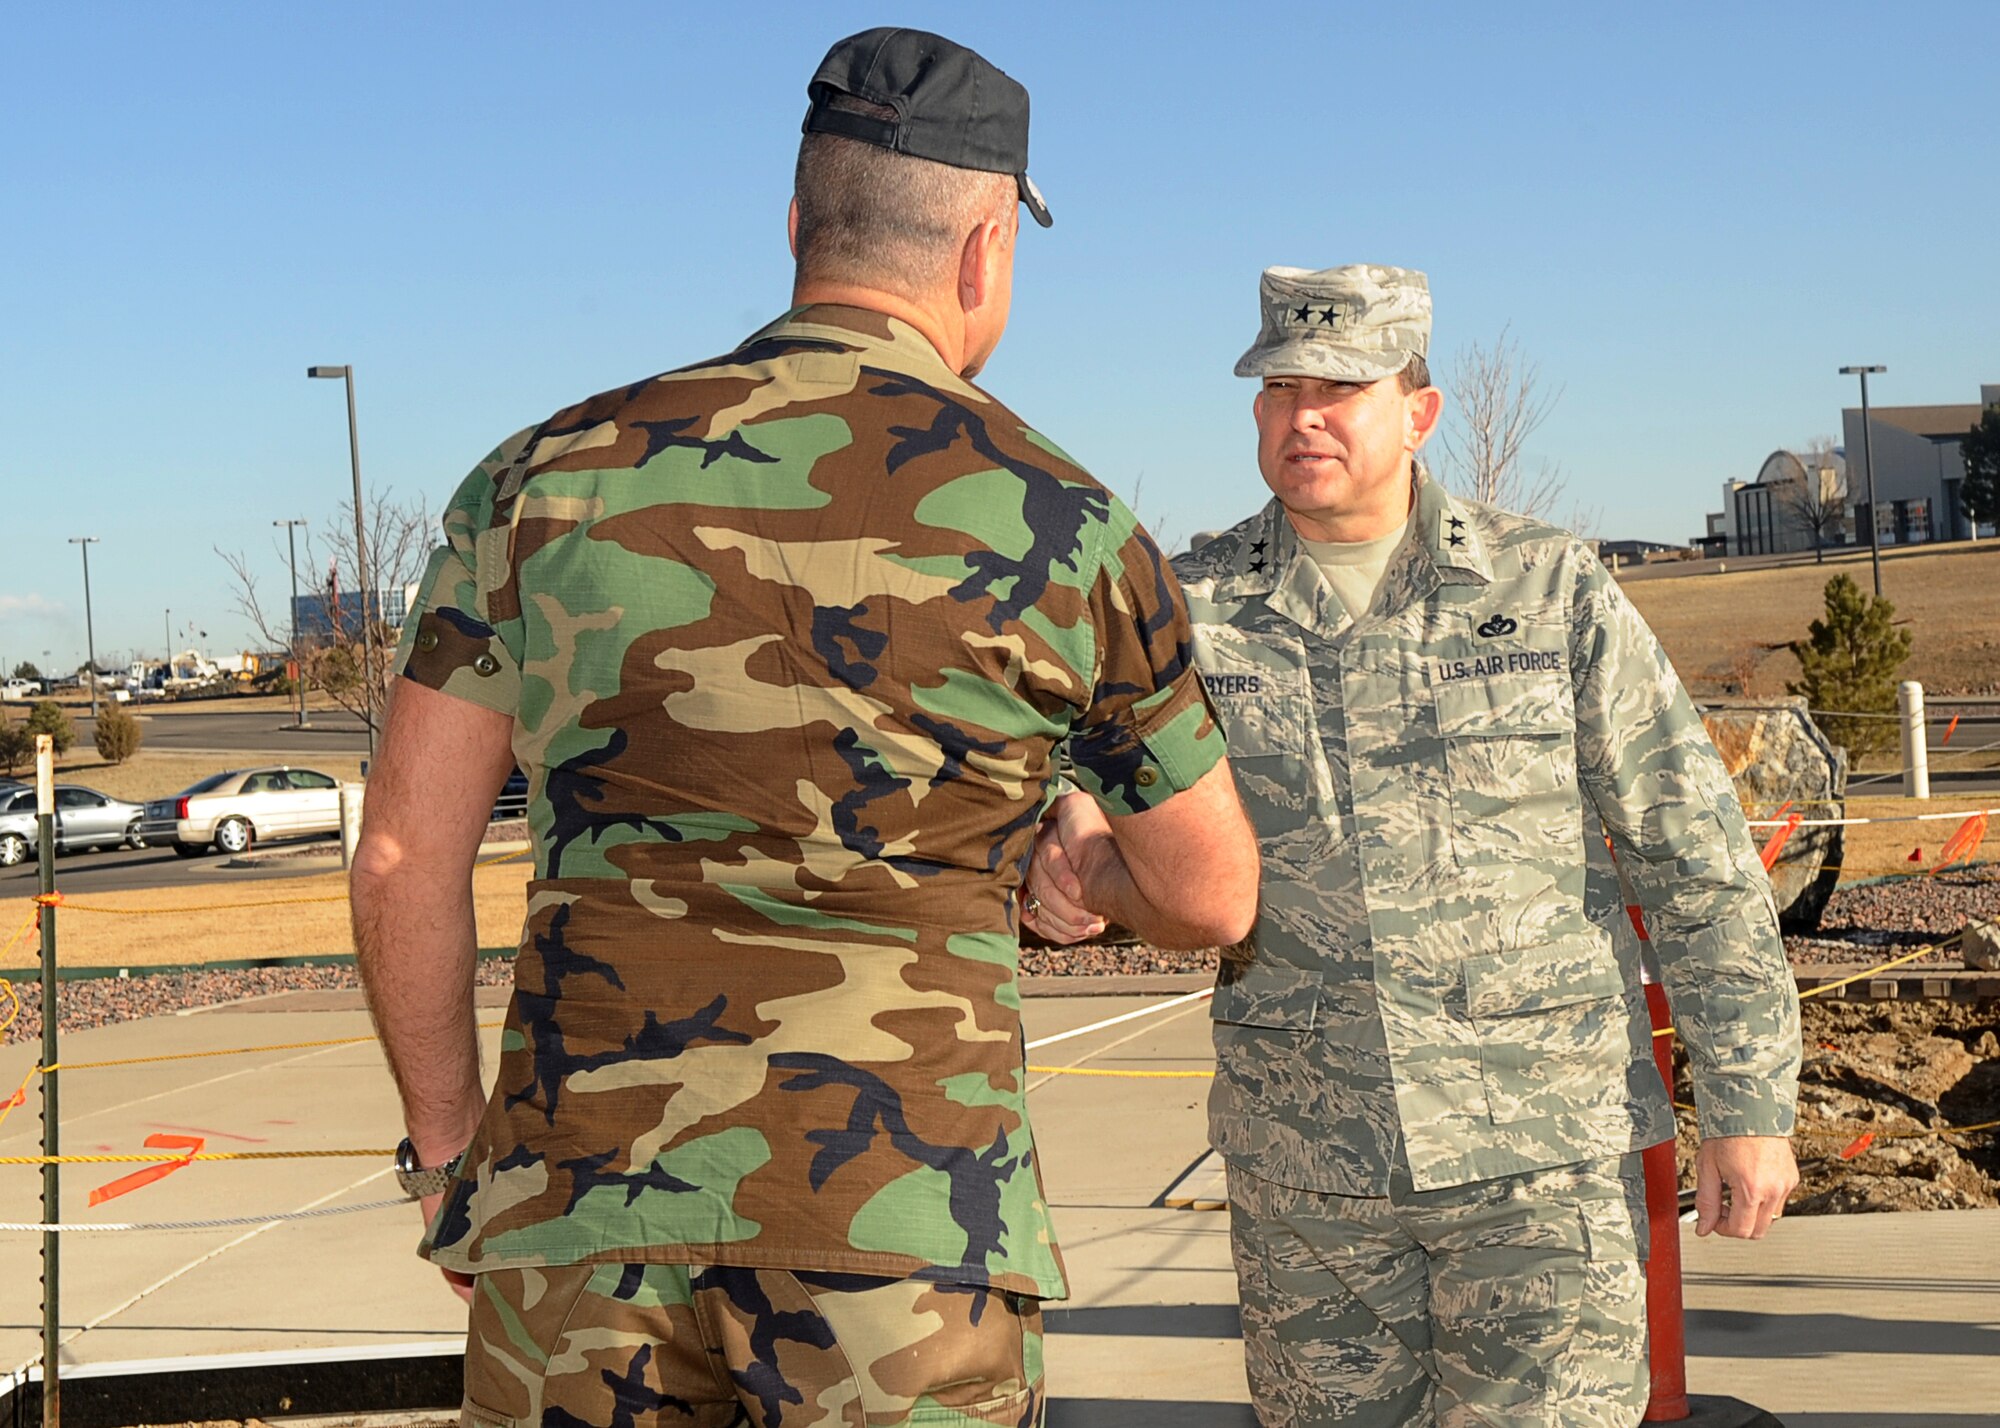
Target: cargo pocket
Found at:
x=1510, y=763
x=517, y=1323
x=1552, y=1028
x=1262, y=691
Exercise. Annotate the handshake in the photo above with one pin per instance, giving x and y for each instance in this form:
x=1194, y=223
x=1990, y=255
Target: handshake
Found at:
x=1182, y=875
x=1075, y=860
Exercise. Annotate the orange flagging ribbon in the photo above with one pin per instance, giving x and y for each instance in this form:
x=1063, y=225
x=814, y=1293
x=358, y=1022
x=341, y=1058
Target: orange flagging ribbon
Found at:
x=126, y=1184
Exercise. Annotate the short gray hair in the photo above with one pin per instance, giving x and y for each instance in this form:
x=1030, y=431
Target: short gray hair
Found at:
x=868, y=214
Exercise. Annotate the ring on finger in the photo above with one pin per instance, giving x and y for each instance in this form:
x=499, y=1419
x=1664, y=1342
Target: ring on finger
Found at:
x=1031, y=906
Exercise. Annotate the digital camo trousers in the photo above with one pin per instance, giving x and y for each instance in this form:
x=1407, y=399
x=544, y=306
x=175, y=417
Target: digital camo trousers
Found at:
x=1510, y=1303
x=653, y=1345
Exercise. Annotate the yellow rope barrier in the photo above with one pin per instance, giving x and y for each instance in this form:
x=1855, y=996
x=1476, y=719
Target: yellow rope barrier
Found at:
x=59, y=901
x=1824, y=987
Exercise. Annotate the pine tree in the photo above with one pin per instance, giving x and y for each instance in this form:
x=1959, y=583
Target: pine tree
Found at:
x=48, y=718
x=1847, y=666
x=117, y=735
x=17, y=747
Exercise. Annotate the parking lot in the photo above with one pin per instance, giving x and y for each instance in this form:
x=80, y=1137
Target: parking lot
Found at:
x=220, y=739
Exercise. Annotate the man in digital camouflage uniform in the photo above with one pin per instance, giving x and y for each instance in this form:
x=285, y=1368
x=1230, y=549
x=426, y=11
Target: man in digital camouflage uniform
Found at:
x=787, y=643
x=1434, y=1058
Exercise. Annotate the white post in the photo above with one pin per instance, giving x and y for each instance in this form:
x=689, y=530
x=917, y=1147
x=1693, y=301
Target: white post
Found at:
x=1916, y=744
x=351, y=795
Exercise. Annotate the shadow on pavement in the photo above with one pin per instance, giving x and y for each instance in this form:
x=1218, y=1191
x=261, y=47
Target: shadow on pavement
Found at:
x=1738, y=1333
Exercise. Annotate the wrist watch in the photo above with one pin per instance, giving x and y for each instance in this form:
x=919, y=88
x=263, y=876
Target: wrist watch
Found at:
x=417, y=1180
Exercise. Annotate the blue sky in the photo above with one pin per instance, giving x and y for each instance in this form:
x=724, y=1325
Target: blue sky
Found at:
x=1689, y=215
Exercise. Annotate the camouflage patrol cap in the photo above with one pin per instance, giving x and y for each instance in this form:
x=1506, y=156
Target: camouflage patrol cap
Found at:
x=1360, y=323
x=952, y=106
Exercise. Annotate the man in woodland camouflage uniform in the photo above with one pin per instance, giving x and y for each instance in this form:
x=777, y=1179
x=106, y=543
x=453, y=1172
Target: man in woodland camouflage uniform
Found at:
x=787, y=643
x=1434, y=1057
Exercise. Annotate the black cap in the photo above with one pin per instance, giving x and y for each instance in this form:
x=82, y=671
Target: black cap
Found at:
x=951, y=105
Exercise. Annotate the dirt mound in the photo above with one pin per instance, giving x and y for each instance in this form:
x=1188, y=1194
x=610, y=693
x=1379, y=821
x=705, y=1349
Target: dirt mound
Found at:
x=1882, y=1085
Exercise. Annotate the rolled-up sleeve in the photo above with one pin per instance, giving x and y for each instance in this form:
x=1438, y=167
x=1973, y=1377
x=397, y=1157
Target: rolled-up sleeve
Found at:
x=452, y=640
x=1148, y=732
x=1681, y=838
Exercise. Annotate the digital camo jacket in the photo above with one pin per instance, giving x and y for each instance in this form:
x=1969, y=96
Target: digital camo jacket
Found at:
x=1442, y=954
x=790, y=639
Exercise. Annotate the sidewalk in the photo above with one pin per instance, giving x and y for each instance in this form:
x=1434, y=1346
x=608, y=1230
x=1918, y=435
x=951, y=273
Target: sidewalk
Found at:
x=1830, y=1323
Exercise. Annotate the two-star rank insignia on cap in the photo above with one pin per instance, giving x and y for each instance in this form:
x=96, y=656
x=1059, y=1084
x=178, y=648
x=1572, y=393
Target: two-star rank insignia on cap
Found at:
x=1308, y=315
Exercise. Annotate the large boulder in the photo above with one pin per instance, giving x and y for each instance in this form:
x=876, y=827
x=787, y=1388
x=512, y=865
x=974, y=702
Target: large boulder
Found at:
x=1776, y=755
x=1981, y=945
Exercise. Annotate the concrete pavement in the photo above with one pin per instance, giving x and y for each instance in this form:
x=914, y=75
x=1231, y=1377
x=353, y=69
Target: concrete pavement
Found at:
x=1831, y=1323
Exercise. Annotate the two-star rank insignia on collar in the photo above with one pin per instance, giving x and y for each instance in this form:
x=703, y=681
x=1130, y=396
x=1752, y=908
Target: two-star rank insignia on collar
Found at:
x=1256, y=567
x=1257, y=547
x=1449, y=528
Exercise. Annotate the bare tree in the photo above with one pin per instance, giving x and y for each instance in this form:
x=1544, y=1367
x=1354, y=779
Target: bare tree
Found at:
x=1497, y=401
x=332, y=652
x=1161, y=530
x=1817, y=499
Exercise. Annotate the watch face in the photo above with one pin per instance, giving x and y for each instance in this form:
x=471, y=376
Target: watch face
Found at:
x=406, y=1158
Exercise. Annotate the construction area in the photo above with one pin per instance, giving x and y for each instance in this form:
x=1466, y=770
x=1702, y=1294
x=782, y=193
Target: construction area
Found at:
x=233, y=1244
x=1834, y=1320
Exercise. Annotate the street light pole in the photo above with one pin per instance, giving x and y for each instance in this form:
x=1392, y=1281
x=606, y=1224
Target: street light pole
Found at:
x=346, y=374
x=1868, y=470
x=89, y=633
x=298, y=661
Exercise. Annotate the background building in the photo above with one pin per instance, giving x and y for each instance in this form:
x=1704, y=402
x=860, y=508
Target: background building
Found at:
x=1798, y=502
x=1919, y=468
x=317, y=613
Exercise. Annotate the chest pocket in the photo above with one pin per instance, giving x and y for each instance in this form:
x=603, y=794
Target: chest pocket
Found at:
x=1510, y=762
x=1262, y=692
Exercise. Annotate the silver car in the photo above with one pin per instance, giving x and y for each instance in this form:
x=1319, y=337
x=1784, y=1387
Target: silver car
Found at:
x=230, y=811
x=85, y=818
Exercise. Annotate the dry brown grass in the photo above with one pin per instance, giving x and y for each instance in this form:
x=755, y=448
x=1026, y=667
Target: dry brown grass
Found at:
x=1712, y=624
x=215, y=921
x=1874, y=849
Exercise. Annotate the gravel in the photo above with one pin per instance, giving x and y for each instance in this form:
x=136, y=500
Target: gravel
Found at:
x=105, y=1001
x=1874, y=923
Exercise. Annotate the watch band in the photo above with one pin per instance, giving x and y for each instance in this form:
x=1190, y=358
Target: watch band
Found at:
x=419, y=1180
